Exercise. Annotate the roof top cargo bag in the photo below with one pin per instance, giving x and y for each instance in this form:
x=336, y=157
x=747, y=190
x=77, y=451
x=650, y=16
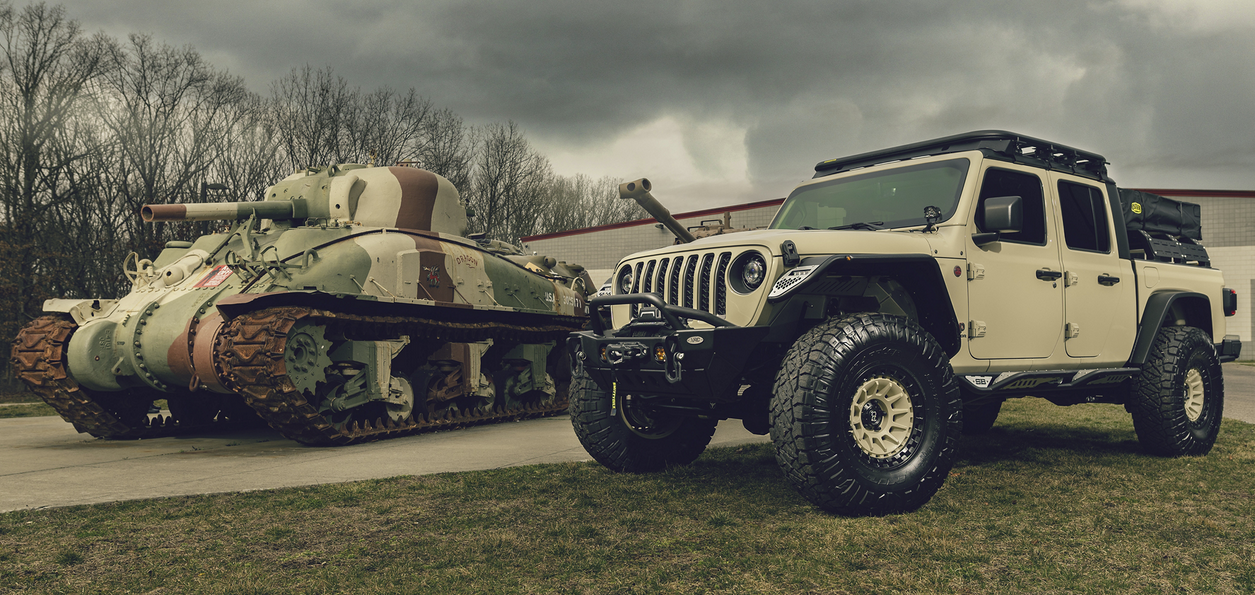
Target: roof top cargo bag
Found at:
x=1159, y=214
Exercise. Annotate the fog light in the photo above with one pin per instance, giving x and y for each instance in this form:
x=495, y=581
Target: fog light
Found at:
x=660, y=353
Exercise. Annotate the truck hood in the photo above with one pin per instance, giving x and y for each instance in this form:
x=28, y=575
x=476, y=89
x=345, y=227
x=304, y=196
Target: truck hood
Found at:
x=809, y=242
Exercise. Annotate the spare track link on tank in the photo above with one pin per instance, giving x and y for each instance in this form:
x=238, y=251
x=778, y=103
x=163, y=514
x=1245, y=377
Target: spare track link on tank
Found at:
x=250, y=354
x=39, y=360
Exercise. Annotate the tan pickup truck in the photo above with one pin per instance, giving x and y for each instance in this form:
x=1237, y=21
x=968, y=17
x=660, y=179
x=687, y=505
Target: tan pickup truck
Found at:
x=895, y=301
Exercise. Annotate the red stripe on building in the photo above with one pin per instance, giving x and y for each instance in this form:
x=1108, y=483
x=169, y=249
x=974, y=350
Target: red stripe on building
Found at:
x=1202, y=193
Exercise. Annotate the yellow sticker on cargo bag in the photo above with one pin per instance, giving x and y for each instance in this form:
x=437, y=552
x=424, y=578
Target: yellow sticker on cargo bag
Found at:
x=1136, y=208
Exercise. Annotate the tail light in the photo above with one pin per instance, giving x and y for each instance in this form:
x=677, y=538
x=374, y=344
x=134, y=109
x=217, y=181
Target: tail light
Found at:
x=1230, y=302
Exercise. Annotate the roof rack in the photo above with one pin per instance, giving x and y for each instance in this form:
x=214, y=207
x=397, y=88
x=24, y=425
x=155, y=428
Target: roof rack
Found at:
x=995, y=144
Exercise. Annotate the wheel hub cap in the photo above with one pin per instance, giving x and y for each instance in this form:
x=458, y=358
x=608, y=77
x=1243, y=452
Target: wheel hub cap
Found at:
x=1194, y=395
x=881, y=417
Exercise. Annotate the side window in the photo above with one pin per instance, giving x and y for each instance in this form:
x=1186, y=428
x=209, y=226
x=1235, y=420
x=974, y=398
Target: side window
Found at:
x=1084, y=217
x=1002, y=182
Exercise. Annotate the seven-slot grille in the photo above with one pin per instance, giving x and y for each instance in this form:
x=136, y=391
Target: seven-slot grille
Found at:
x=686, y=280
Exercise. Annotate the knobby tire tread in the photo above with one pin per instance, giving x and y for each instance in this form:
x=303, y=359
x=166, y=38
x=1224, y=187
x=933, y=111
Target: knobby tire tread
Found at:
x=1157, y=399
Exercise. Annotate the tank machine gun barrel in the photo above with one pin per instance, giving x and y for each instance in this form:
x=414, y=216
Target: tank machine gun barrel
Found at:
x=638, y=190
x=219, y=211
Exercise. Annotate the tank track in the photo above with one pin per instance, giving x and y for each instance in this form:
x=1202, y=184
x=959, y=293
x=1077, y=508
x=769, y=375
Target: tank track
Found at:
x=39, y=360
x=250, y=350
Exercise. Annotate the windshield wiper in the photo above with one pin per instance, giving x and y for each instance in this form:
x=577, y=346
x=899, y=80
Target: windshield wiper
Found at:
x=870, y=225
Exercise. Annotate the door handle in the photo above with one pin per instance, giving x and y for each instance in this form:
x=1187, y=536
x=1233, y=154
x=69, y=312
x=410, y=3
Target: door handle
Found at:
x=1108, y=280
x=1048, y=275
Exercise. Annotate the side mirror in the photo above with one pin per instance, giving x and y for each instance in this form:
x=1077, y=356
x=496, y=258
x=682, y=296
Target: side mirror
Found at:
x=1001, y=214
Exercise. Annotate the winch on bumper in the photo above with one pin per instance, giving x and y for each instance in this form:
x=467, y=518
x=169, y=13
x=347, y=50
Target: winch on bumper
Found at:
x=658, y=354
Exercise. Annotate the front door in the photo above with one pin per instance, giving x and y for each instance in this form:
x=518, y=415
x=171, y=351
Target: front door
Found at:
x=1015, y=295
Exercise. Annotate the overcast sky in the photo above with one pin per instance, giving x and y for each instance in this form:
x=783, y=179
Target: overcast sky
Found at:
x=728, y=101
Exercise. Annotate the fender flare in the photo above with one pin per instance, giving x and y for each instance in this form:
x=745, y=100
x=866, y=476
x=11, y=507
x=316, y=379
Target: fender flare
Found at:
x=1198, y=311
x=919, y=274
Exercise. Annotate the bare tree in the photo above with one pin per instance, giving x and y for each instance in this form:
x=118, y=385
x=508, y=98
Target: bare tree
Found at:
x=250, y=161
x=580, y=201
x=448, y=149
x=172, y=115
x=387, y=127
x=313, y=109
x=47, y=72
x=509, y=183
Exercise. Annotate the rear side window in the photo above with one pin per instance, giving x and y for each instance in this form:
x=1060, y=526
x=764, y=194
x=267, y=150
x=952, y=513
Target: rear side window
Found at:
x=1084, y=217
x=1004, y=182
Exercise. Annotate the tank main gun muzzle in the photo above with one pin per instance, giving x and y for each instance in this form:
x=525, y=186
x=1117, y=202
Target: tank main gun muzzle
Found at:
x=219, y=211
x=638, y=190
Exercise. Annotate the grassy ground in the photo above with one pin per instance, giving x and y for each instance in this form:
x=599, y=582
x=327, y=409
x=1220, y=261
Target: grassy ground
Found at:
x=1054, y=500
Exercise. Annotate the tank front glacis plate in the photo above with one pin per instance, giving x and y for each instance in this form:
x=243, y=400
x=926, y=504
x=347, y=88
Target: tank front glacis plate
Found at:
x=149, y=330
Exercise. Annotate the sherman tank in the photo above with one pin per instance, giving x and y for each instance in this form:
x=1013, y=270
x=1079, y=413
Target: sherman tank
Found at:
x=346, y=306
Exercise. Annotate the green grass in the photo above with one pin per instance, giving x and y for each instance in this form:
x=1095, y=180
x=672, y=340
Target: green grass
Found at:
x=10, y=410
x=1054, y=500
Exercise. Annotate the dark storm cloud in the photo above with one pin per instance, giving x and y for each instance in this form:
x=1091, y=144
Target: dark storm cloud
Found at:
x=1165, y=91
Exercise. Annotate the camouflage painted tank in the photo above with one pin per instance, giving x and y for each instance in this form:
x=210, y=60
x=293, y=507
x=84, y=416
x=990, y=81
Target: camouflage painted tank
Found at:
x=344, y=307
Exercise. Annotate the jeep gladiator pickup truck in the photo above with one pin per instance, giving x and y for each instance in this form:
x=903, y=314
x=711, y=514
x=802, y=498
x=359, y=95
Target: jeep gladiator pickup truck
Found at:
x=893, y=303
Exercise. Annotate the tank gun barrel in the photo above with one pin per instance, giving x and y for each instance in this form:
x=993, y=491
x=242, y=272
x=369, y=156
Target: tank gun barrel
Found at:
x=220, y=211
x=638, y=190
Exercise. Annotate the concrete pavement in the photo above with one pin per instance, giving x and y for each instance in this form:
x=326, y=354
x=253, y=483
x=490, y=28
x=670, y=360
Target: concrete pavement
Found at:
x=45, y=463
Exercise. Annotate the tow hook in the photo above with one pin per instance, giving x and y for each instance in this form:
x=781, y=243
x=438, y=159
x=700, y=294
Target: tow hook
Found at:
x=672, y=364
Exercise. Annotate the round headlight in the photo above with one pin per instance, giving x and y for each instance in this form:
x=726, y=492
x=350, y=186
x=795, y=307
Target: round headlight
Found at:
x=623, y=284
x=754, y=272
x=748, y=272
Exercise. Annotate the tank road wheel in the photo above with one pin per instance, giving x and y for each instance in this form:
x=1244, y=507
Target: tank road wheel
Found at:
x=1178, y=399
x=634, y=439
x=979, y=418
x=865, y=415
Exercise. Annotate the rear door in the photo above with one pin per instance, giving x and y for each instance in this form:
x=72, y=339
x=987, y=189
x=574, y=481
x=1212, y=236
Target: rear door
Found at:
x=1098, y=292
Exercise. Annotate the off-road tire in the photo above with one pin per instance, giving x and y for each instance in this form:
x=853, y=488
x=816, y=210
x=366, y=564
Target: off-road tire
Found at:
x=610, y=440
x=813, y=424
x=979, y=418
x=1167, y=420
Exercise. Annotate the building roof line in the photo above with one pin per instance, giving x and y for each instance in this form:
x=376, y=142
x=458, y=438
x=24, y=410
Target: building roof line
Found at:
x=1202, y=193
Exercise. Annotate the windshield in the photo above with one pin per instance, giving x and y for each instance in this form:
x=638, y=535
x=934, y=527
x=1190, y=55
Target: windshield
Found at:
x=889, y=198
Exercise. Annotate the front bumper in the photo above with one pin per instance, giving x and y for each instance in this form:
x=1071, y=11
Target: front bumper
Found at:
x=658, y=354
